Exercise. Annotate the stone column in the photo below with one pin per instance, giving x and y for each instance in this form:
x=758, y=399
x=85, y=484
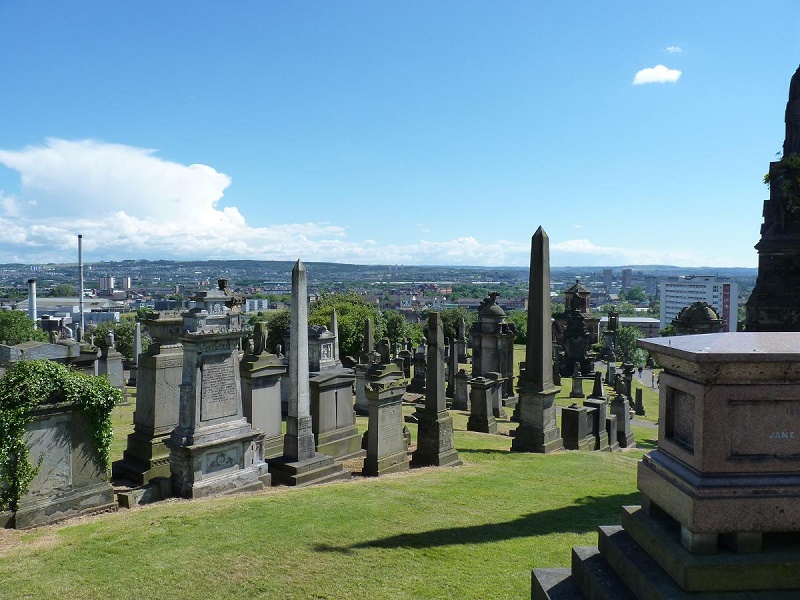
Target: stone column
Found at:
x=435, y=429
x=300, y=463
x=537, y=431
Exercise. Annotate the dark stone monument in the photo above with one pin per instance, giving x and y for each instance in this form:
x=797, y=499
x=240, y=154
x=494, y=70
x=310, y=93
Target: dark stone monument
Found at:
x=387, y=450
x=420, y=360
x=773, y=303
x=481, y=417
x=461, y=393
x=638, y=405
x=598, y=412
x=572, y=334
x=620, y=407
x=575, y=428
x=493, y=346
x=435, y=426
x=577, y=383
x=537, y=431
x=461, y=342
x=598, y=391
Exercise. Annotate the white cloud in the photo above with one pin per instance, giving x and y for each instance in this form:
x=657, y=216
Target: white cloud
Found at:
x=657, y=74
x=674, y=49
x=129, y=203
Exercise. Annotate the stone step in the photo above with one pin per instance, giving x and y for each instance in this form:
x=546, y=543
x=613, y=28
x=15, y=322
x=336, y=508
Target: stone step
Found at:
x=642, y=575
x=554, y=584
x=773, y=568
x=319, y=469
x=595, y=577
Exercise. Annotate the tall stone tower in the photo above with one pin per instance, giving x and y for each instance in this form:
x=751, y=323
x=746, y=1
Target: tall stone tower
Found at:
x=774, y=304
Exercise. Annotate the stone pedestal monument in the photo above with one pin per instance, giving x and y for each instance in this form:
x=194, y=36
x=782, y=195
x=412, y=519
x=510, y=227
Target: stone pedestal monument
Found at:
x=387, y=451
x=435, y=425
x=537, y=431
x=481, y=416
x=157, y=399
x=213, y=449
x=720, y=514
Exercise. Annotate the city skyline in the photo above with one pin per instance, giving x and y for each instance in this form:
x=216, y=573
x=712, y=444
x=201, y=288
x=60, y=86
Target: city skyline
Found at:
x=414, y=134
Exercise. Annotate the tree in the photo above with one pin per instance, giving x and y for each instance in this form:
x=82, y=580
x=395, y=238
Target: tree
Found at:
x=520, y=320
x=626, y=343
x=450, y=317
x=352, y=312
x=16, y=328
x=278, y=329
x=397, y=328
x=123, y=336
x=634, y=294
x=668, y=331
x=62, y=290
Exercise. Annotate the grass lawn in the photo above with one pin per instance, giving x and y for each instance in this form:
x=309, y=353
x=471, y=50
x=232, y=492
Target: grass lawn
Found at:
x=474, y=531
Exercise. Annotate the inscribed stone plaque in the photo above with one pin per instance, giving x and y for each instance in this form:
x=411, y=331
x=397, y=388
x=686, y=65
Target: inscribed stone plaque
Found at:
x=218, y=394
x=221, y=459
x=765, y=428
x=680, y=418
x=390, y=429
x=49, y=441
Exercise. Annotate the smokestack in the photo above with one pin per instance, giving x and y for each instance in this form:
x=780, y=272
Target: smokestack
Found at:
x=80, y=281
x=32, y=300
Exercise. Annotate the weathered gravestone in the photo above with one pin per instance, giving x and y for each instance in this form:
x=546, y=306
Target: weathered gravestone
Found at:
x=213, y=449
x=435, y=428
x=69, y=481
x=461, y=391
x=261, y=374
x=157, y=400
x=386, y=443
x=492, y=341
x=720, y=514
x=576, y=428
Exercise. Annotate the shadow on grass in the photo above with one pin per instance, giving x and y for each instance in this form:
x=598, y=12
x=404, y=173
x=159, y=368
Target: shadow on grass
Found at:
x=483, y=451
x=584, y=516
x=647, y=444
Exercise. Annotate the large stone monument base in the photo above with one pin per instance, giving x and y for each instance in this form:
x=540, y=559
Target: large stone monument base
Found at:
x=205, y=469
x=435, y=441
x=644, y=558
x=537, y=431
x=320, y=468
x=146, y=457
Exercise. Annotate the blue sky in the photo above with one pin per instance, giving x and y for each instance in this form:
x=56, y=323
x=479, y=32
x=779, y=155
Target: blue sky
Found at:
x=391, y=132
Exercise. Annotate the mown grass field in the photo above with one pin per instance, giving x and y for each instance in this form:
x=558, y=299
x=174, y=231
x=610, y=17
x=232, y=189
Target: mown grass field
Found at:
x=474, y=531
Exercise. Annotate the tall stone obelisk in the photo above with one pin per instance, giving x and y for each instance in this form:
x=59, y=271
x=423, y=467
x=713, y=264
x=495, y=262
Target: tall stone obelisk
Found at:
x=300, y=463
x=537, y=431
x=435, y=428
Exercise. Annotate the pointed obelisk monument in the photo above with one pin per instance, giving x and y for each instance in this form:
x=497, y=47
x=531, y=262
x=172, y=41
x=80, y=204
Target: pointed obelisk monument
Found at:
x=537, y=431
x=435, y=429
x=300, y=463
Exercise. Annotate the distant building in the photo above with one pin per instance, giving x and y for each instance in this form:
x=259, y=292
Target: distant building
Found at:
x=608, y=278
x=647, y=325
x=627, y=279
x=721, y=294
x=106, y=282
x=126, y=283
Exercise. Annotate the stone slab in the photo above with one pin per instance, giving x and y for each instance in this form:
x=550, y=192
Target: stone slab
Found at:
x=595, y=577
x=320, y=468
x=553, y=584
x=777, y=567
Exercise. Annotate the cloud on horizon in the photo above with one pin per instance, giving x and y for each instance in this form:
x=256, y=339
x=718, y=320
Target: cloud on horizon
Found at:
x=674, y=49
x=657, y=74
x=129, y=203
